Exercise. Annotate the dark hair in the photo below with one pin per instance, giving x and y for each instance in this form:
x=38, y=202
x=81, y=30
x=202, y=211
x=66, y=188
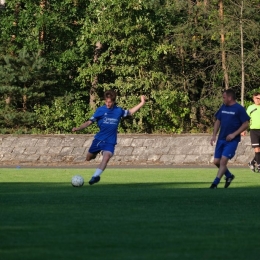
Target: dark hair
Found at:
x=256, y=94
x=231, y=93
x=110, y=94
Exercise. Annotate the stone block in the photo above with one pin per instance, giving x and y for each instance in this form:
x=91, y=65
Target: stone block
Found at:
x=149, y=142
x=163, y=142
x=197, y=159
x=181, y=140
x=55, y=149
x=131, y=158
x=245, y=141
x=8, y=149
x=45, y=158
x=43, y=142
x=159, y=150
x=55, y=141
x=66, y=151
x=9, y=141
x=26, y=141
x=175, y=150
x=57, y=159
x=42, y=150
x=124, y=141
x=153, y=157
x=73, y=141
x=79, y=159
x=178, y=159
x=68, y=158
x=125, y=151
x=28, y=158
x=241, y=159
x=207, y=149
x=117, y=158
x=200, y=140
x=79, y=151
x=165, y=158
x=88, y=142
x=30, y=150
x=8, y=157
x=18, y=150
x=140, y=151
x=186, y=149
x=137, y=142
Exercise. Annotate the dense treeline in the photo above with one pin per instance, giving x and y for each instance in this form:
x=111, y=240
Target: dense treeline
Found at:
x=57, y=58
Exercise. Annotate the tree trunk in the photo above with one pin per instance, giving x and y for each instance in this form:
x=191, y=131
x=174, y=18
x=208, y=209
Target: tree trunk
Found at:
x=42, y=32
x=242, y=55
x=222, y=44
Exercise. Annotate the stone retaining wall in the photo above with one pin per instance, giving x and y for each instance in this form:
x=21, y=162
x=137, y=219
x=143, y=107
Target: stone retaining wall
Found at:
x=134, y=149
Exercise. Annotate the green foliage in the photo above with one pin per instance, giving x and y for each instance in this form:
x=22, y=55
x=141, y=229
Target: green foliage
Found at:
x=65, y=113
x=169, y=106
x=23, y=83
x=168, y=50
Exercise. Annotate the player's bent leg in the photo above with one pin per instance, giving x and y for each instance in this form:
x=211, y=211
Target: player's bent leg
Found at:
x=106, y=157
x=102, y=166
x=257, y=158
x=217, y=162
x=222, y=166
x=223, y=169
x=216, y=181
x=91, y=156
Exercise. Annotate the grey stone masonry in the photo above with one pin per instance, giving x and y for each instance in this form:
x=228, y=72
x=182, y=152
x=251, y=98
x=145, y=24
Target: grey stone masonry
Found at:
x=131, y=149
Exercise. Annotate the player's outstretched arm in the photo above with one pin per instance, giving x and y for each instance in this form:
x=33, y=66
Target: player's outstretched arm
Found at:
x=137, y=107
x=84, y=125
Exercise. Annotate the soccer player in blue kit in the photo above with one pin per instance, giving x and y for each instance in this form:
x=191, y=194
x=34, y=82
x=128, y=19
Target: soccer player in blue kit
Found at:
x=231, y=120
x=107, y=117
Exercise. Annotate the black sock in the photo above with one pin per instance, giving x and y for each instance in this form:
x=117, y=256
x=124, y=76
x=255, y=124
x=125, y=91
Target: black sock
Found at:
x=257, y=158
x=253, y=161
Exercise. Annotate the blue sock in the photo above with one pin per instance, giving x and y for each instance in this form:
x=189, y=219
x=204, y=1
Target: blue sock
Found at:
x=228, y=173
x=216, y=181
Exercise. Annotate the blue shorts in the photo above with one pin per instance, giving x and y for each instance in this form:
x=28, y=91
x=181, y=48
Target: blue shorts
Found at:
x=101, y=146
x=225, y=148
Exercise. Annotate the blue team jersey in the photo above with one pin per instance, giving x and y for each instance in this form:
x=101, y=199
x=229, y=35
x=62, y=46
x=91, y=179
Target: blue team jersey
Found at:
x=108, y=120
x=231, y=118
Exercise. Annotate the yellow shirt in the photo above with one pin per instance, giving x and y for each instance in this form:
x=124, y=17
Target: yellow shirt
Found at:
x=254, y=112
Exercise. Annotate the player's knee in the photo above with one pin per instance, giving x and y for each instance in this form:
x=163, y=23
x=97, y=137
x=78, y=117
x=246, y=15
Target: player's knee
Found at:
x=216, y=162
x=107, y=156
x=89, y=157
x=257, y=149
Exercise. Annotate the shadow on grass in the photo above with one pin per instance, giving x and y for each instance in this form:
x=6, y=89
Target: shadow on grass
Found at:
x=160, y=220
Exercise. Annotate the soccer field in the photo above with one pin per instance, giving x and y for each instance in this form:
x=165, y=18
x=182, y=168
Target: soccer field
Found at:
x=160, y=213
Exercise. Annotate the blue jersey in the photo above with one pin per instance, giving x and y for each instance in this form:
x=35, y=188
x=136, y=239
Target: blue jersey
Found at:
x=231, y=118
x=108, y=120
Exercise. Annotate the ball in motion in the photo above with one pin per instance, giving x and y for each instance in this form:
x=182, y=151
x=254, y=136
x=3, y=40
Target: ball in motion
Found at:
x=77, y=181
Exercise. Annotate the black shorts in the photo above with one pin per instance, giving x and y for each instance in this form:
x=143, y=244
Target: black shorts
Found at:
x=255, y=137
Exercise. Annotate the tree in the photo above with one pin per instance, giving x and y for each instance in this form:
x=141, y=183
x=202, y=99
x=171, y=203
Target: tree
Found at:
x=134, y=59
x=24, y=82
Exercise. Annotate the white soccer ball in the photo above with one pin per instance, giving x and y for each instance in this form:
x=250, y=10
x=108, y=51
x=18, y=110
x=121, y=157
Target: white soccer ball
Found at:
x=77, y=181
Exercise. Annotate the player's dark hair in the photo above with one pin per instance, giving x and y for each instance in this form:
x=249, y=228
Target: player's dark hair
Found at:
x=231, y=93
x=256, y=94
x=110, y=94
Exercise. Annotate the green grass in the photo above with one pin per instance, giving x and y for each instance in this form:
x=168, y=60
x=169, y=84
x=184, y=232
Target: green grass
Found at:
x=153, y=214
